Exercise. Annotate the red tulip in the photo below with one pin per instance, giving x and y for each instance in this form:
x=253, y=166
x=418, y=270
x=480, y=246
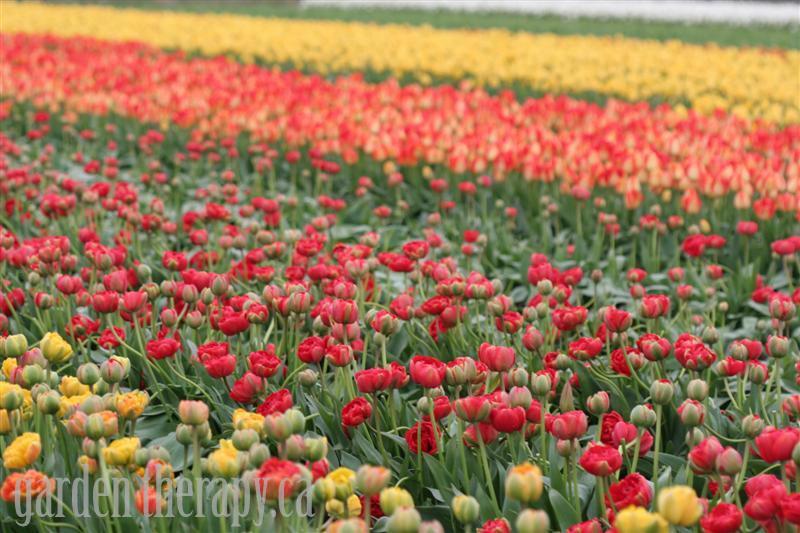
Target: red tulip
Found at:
x=600, y=460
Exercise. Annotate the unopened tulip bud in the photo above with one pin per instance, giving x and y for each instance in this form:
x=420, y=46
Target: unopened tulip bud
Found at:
x=466, y=509
x=316, y=449
x=541, y=385
x=11, y=400
x=88, y=373
x=48, y=403
x=32, y=374
x=729, y=462
x=277, y=427
x=15, y=345
x=112, y=371
x=691, y=413
x=752, y=426
x=294, y=448
x=404, y=520
x=777, y=347
x=243, y=439
x=141, y=457
x=518, y=377
x=394, y=498
x=431, y=526
x=533, y=521
x=520, y=397
x=567, y=447
x=193, y=412
x=323, y=490
x=93, y=404
x=643, y=416
x=184, y=434
x=566, y=402
x=661, y=392
x=694, y=437
x=697, y=390
x=257, y=454
x=194, y=319
x=545, y=287
x=710, y=335
x=599, y=403
x=524, y=483
x=371, y=480
x=296, y=420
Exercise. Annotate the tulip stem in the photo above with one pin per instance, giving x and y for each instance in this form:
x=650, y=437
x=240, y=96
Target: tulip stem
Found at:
x=601, y=498
x=486, y=471
x=656, y=451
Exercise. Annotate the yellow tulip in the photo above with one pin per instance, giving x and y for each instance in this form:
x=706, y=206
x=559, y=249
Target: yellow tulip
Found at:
x=131, y=405
x=340, y=509
x=639, y=520
x=23, y=451
x=8, y=367
x=224, y=462
x=246, y=420
x=70, y=386
x=524, y=483
x=54, y=348
x=679, y=505
x=120, y=452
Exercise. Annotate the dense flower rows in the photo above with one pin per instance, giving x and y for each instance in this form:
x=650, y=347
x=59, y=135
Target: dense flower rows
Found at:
x=751, y=83
x=197, y=308
x=630, y=148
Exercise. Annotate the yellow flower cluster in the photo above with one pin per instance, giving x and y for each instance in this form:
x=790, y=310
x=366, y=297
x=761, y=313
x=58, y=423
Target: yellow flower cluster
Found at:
x=749, y=82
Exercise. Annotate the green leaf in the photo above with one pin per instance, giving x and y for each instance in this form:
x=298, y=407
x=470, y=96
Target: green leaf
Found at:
x=565, y=512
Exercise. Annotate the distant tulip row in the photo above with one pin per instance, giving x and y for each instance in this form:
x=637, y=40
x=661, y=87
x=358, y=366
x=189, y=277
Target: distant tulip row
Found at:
x=750, y=83
x=634, y=150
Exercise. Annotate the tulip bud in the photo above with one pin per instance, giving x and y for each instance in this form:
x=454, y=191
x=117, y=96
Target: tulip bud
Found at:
x=93, y=404
x=141, y=457
x=566, y=402
x=518, y=377
x=545, y=287
x=567, y=447
x=88, y=373
x=466, y=509
x=32, y=374
x=371, y=480
x=729, y=462
x=219, y=286
x=752, y=426
x=541, y=385
x=520, y=397
x=112, y=371
x=533, y=521
x=308, y=377
x=643, y=416
x=95, y=426
x=184, y=434
x=316, y=449
x=258, y=453
x=599, y=403
x=15, y=345
x=404, y=520
x=777, y=347
x=294, y=448
x=243, y=439
x=296, y=420
x=694, y=437
x=524, y=483
x=710, y=335
x=323, y=490
x=394, y=498
x=194, y=319
x=48, y=403
x=697, y=390
x=11, y=400
x=661, y=392
x=691, y=413
x=277, y=427
x=430, y=526
x=193, y=413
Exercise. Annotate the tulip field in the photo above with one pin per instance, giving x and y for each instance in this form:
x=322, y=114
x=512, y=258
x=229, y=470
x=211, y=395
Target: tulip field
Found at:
x=283, y=275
